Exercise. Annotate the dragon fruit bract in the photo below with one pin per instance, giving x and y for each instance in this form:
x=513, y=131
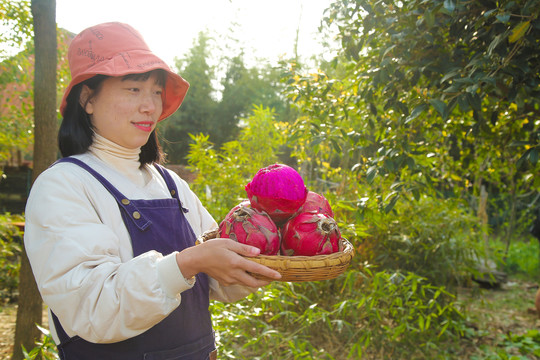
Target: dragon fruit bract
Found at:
x=317, y=203
x=249, y=226
x=278, y=190
x=310, y=234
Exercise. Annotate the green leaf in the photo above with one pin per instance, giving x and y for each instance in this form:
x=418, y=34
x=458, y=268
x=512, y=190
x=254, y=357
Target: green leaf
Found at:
x=371, y=173
x=450, y=5
x=504, y=18
x=440, y=106
x=523, y=158
x=496, y=41
x=416, y=112
x=429, y=18
x=451, y=74
x=391, y=204
x=336, y=145
x=519, y=31
x=533, y=156
x=489, y=12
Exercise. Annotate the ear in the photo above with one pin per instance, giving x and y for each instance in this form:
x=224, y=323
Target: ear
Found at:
x=85, y=99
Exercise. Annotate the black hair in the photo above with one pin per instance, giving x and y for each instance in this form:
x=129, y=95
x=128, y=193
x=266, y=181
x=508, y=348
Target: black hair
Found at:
x=76, y=131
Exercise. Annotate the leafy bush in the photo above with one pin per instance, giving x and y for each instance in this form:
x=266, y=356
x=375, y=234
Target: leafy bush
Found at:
x=523, y=257
x=10, y=253
x=362, y=314
x=222, y=175
x=433, y=238
x=45, y=349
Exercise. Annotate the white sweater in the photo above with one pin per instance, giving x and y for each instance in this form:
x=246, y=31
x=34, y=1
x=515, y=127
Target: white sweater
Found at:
x=81, y=253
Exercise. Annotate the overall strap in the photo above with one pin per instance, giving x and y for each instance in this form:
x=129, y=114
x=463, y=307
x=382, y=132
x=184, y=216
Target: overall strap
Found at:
x=136, y=216
x=171, y=185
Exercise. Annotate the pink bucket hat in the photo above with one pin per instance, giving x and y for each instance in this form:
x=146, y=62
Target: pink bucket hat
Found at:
x=117, y=49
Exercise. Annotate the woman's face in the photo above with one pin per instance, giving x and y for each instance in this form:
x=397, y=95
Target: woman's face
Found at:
x=124, y=110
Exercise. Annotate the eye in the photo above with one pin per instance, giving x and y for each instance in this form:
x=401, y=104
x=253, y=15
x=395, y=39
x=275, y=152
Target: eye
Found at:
x=133, y=89
x=159, y=92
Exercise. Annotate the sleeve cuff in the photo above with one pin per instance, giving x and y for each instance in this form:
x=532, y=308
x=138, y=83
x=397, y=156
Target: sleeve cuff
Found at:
x=171, y=278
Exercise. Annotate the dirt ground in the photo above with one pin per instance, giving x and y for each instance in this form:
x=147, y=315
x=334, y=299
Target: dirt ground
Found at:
x=8, y=316
x=498, y=312
x=509, y=309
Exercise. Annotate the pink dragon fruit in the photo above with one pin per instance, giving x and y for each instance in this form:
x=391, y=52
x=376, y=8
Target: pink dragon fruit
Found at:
x=309, y=234
x=249, y=226
x=278, y=190
x=245, y=203
x=316, y=203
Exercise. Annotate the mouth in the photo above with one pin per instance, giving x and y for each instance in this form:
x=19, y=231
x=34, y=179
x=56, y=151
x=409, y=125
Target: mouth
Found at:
x=146, y=126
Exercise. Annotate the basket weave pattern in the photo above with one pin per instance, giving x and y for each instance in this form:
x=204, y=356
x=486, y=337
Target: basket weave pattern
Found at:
x=301, y=268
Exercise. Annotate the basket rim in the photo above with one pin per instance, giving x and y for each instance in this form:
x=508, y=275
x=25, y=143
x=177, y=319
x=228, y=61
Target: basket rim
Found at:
x=345, y=249
x=301, y=268
x=345, y=253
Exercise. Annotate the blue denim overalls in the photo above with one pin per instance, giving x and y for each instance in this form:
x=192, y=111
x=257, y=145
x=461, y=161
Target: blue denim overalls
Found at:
x=186, y=334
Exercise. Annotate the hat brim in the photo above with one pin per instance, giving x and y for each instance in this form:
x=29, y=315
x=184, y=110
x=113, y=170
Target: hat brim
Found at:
x=120, y=65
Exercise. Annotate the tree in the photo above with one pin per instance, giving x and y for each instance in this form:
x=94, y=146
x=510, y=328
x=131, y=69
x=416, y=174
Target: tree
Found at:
x=216, y=111
x=195, y=114
x=45, y=151
x=430, y=96
x=16, y=25
x=16, y=121
x=244, y=88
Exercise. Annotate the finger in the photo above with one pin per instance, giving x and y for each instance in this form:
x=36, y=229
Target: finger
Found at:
x=257, y=268
x=245, y=250
x=251, y=281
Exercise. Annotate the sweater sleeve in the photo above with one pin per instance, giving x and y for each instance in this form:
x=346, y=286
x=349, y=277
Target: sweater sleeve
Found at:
x=83, y=263
x=201, y=220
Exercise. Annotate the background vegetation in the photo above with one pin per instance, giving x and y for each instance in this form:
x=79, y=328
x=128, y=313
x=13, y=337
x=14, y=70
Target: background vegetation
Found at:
x=423, y=132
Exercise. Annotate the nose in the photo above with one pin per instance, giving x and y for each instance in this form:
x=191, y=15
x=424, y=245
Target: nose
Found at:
x=149, y=103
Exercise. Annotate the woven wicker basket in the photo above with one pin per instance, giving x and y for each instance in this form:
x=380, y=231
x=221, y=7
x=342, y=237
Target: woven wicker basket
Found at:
x=301, y=268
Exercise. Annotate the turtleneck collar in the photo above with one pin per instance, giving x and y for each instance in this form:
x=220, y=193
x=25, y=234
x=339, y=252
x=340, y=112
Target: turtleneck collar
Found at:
x=124, y=160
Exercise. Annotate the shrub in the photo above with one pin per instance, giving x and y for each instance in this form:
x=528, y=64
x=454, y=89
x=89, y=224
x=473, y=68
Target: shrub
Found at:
x=10, y=253
x=523, y=258
x=433, y=238
x=362, y=314
x=222, y=174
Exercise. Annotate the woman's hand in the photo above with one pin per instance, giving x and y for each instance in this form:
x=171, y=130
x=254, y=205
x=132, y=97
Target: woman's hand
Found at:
x=221, y=259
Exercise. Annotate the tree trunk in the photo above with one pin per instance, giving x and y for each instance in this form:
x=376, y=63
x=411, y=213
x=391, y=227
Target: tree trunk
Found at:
x=30, y=305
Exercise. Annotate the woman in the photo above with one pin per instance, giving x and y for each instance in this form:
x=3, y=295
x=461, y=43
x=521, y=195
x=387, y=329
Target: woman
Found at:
x=109, y=233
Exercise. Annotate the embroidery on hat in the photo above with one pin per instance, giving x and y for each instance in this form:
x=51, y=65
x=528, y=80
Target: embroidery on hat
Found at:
x=97, y=33
x=149, y=63
x=90, y=54
x=126, y=58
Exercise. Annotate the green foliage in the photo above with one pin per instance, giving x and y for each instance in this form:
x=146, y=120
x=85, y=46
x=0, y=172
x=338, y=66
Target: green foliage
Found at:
x=222, y=175
x=17, y=77
x=16, y=106
x=215, y=110
x=44, y=349
x=418, y=98
x=16, y=23
x=359, y=315
x=196, y=112
x=433, y=238
x=514, y=347
x=242, y=89
x=10, y=254
x=526, y=344
x=522, y=259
